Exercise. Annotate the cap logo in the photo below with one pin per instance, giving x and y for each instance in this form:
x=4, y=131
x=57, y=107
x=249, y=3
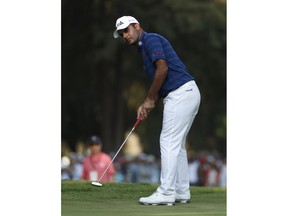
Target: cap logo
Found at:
x=120, y=23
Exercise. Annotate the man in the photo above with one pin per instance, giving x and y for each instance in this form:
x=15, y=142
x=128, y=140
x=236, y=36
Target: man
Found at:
x=95, y=164
x=171, y=81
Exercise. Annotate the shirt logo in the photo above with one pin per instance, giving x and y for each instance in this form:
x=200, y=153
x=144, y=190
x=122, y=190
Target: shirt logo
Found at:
x=157, y=52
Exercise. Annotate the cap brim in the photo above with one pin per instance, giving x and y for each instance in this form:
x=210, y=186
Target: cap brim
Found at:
x=115, y=34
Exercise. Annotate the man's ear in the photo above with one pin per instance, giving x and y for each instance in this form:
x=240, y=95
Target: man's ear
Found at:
x=137, y=26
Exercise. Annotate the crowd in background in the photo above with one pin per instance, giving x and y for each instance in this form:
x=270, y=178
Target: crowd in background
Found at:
x=205, y=169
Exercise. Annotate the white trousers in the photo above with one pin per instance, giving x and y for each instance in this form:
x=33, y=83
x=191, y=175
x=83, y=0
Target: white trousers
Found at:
x=180, y=109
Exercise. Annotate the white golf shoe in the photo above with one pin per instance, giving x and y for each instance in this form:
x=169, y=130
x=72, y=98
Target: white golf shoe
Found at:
x=158, y=199
x=182, y=198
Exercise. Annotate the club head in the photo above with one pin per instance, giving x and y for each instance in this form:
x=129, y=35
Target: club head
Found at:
x=98, y=184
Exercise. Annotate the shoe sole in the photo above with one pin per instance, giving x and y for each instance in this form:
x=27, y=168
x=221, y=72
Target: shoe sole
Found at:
x=155, y=204
x=182, y=201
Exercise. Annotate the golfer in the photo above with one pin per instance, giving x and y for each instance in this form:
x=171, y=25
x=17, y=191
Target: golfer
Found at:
x=171, y=81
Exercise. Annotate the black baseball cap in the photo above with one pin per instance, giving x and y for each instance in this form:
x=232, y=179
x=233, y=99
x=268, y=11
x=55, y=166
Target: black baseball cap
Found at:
x=95, y=140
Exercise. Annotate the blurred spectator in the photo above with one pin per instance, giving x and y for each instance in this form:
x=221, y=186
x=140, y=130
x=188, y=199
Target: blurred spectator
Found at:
x=132, y=168
x=76, y=165
x=121, y=168
x=213, y=172
x=144, y=169
x=95, y=164
x=203, y=170
x=148, y=171
x=222, y=180
x=65, y=168
x=193, y=167
x=154, y=166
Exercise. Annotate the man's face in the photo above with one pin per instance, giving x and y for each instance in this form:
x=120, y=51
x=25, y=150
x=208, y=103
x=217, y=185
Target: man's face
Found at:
x=130, y=34
x=95, y=148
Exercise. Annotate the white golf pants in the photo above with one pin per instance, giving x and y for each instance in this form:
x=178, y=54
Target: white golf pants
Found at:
x=180, y=109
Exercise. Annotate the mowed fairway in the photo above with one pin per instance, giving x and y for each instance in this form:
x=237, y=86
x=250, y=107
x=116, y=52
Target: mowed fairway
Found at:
x=80, y=198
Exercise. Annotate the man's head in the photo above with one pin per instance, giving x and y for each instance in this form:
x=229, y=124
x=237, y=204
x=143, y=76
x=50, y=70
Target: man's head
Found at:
x=128, y=28
x=95, y=144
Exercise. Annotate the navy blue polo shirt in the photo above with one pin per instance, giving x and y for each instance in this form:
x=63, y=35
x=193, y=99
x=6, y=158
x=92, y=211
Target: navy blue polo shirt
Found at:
x=153, y=47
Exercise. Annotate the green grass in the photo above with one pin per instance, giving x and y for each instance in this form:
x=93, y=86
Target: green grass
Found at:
x=80, y=198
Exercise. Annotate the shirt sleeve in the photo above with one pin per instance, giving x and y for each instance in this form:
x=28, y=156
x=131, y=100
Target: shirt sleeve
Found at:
x=154, y=48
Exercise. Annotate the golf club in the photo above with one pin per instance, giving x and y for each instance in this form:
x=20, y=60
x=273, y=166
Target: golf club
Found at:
x=97, y=183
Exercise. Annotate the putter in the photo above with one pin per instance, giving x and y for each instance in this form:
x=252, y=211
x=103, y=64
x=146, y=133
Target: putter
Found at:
x=97, y=183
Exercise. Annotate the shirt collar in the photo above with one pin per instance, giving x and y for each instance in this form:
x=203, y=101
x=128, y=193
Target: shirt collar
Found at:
x=140, y=43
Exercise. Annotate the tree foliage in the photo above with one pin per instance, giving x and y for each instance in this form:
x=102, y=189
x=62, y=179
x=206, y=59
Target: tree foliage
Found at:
x=103, y=81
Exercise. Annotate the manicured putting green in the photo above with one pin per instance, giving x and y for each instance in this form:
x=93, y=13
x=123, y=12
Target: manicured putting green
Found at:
x=80, y=198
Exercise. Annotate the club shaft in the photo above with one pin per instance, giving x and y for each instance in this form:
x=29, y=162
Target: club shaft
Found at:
x=116, y=154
